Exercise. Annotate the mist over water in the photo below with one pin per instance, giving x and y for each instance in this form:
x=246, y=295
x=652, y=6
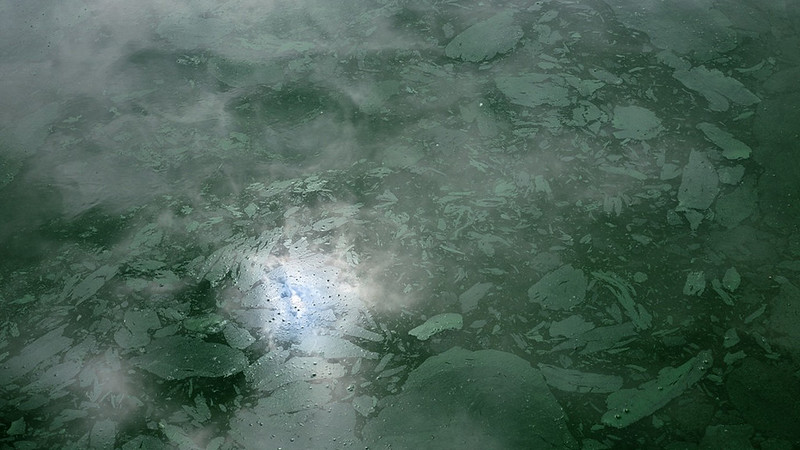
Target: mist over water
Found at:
x=405, y=224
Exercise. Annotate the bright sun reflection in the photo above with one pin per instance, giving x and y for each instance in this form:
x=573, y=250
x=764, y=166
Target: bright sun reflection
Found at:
x=298, y=305
x=300, y=293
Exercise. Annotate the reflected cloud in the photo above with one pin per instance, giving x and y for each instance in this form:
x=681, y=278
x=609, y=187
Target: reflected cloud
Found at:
x=245, y=223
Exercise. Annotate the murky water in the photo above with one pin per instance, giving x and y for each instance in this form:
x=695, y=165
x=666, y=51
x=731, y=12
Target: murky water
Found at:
x=399, y=224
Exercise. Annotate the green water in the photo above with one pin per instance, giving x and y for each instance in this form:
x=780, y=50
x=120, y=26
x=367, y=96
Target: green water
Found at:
x=399, y=224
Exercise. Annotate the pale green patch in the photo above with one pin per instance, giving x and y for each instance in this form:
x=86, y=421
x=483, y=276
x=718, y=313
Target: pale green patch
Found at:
x=237, y=337
x=731, y=279
x=633, y=173
x=570, y=380
x=197, y=358
x=484, y=40
x=695, y=283
x=716, y=87
x=251, y=210
x=534, y=89
x=716, y=285
x=372, y=97
x=200, y=411
x=627, y=406
x=699, y=184
x=137, y=325
x=731, y=175
x=365, y=404
x=334, y=347
x=569, y=327
x=436, y=325
x=624, y=292
x=584, y=87
x=755, y=315
x=17, y=427
x=732, y=148
x=635, y=122
x=469, y=299
x=732, y=208
x=205, y=324
x=512, y=399
x=273, y=370
x=176, y=436
x=103, y=434
x=563, y=288
x=33, y=354
x=400, y=156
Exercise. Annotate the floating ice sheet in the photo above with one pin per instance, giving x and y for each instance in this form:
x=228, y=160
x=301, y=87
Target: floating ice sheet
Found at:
x=695, y=283
x=137, y=325
x=41, y=349
x=733, y=207
x=627, y=406
x=326, y=428
x=732, y=148
x=437, y=324
x=333, y=347
x=92, y=283
x=237, y=337
x=635, y=122
x=273, y=371
x=534, y=89
x=718, y=89
x=600, y=338
x=571, y=326
x=699, y=185
x=731, y=279
x=695, y=27
x=562, y=288
x=484, y=40
x=179, y=357
x=465, y=399
x=469, y=299
x=624, y=292
x=570, y=380
x=731, y=175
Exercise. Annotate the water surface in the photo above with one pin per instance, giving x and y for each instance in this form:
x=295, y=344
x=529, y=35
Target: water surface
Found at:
x=399, y=224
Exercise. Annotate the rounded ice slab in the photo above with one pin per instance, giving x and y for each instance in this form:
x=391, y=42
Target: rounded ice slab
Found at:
x=463, y=399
